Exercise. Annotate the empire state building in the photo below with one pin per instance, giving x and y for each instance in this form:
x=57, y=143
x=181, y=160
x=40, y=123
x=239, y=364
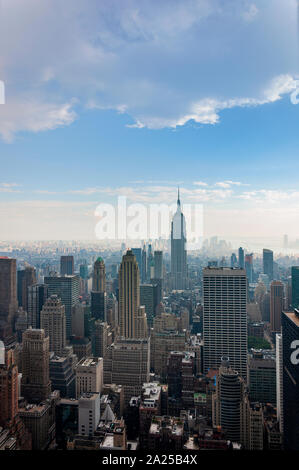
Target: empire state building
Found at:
x=179, y=272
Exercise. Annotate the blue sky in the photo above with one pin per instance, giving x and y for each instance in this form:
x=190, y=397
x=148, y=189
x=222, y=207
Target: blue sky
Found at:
x=135, y=97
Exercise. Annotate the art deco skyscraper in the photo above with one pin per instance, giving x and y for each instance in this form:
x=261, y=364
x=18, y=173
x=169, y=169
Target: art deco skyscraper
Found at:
x=36, y=385
x=99, y=276
x=179, y=271
x=225, y=318
x=98, y=293
x=52, y=319
x=132, y=318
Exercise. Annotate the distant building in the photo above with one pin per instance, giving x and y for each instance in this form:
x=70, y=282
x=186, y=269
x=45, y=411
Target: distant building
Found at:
x=66, y=265
x=52, y=320
x=268, y=263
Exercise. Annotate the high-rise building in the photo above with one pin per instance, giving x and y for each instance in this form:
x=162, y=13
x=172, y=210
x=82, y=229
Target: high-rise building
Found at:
x=89, y=413
x=279, y=381
x=127, y=363
x=241, y=258
x=26, y=278
x=290, y=347
x=249, y=267
x=8, y=389
x=158, y=261
x=132, y=319
x=225, y=318
x=150, y=264
x=228, y=400
x=149, y=298
x=66, y=265
x=233, y=261
x=67, y=289
x=262, y=377
x=52, y=319
x=276, y=305
x=89, y=376
x=8, y=290
x=268, y=263
x=138, y=255
x=36, y=385
x=179, y=270
x=98, y=304
x=99, y=276
x=295, y=286
x=143, y=268
x=37, y=295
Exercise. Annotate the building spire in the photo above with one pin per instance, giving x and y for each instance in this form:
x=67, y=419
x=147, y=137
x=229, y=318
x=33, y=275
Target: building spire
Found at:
x=178, y=201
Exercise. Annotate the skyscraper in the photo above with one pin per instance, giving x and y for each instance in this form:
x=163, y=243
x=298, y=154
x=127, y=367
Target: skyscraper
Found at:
x=66, y=265
x=26, y=278
x=179, y=271
x=279, y=381
x=158, y=261
x=8, y=290
x=138, y=255
x=67, y=289
x=225, y=318
x=276, y=305
x=8, y=389
x=99, y=276
x=249, y=267
x=143, y=269
x=268, y=263
x=295, y=286
x=228, y=401
x=241, y=259
x=36, y=385
x=37, y=295
x=131, y=317
x=149, y=298
x=52, y=320
x=290, y=350
x=98, y=293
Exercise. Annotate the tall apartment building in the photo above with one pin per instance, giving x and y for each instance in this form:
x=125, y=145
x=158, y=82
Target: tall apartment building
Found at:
x=89, y=376
x=67, y=289
x=276, y=305
x=36, y=385
x=225, y=318
x=290, y=347
x=99, y=276
x=37, y=295
x=53, y=321
x=66, y=265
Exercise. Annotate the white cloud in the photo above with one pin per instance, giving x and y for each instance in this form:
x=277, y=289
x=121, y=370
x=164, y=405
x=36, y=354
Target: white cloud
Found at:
x=33, y=116
x=161, y=63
